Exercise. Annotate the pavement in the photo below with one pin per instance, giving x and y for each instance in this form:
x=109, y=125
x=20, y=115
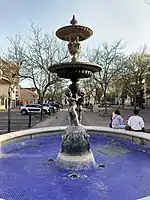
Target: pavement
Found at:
x=91, y=118
x=60, y=118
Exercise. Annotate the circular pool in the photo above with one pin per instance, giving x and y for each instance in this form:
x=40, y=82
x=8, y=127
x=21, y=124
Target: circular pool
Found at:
x=28, y=170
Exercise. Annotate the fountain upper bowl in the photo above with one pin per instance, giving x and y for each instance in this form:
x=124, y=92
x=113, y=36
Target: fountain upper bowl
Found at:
x=77, y=70
x=67, y=32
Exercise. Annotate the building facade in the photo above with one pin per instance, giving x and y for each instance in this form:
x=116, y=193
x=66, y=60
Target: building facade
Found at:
x=9, y=85
x=28, y=95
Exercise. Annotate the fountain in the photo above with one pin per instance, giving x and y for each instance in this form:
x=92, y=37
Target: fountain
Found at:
x=75, y=151
x=110, y=164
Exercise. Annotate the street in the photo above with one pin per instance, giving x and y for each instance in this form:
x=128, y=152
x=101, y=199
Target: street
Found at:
x=18, y=121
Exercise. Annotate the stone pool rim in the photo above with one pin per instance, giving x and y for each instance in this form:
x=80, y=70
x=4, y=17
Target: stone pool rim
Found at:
x=143, y=138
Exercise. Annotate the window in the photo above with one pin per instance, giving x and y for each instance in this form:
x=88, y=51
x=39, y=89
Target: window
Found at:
x=34, y=106
x=27, y=105
x=2, y=101
x=39, y=106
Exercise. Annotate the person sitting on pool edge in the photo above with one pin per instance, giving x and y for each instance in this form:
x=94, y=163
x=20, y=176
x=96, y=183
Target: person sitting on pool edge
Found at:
x=117, y=120
x=136, y=122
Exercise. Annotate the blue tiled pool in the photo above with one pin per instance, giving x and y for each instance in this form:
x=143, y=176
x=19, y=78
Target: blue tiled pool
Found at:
x=123, y=171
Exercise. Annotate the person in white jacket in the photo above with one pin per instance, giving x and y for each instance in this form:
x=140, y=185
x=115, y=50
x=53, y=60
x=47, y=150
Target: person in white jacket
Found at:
x=136, y=122
x=117, y=120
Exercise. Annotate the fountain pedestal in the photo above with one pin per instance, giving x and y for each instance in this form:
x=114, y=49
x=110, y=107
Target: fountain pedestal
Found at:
x=75, y=151
x=75, y=141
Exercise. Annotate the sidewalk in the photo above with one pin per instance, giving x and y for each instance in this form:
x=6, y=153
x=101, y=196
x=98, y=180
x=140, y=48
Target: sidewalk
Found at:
x=93, y=118
x=90, y=118
x=61, y=119
x=56, y=120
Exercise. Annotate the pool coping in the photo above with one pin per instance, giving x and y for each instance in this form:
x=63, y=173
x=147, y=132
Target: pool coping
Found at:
x=38, y=132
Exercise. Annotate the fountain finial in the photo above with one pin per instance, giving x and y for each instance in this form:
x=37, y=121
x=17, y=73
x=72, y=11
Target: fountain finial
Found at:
x=73, y=21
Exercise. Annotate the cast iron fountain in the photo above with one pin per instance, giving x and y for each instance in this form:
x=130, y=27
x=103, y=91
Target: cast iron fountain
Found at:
x=75, y=151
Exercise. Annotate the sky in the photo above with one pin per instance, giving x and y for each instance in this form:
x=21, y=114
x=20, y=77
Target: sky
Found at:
x=110, y=20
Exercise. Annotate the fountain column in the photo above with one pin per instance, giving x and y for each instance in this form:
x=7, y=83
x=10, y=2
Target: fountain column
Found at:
x=75, y=151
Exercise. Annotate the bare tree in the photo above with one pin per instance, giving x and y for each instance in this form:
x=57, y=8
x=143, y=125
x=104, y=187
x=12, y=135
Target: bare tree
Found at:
x=109, y=58
x=38, y=52
x=91, y=88
x=134, y=70
x=56, y=90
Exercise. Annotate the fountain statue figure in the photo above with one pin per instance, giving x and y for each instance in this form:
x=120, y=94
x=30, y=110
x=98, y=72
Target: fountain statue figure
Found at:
x=74, y=48
x=79, y=105
x=75, y=107
x=73, y=115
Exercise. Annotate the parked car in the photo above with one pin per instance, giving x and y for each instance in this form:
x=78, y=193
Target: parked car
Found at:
x=33, y=108
x=54, y=104
x=47, y=105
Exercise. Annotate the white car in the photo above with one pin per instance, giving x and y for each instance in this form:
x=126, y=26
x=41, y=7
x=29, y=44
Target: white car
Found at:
x=33, y=108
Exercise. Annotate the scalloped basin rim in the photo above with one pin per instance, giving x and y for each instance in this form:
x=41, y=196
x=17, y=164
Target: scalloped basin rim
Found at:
x=83, y=32
x=31, y=133
x=79, y=65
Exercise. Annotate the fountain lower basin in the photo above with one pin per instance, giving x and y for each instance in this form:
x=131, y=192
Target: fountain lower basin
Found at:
x=28, y=169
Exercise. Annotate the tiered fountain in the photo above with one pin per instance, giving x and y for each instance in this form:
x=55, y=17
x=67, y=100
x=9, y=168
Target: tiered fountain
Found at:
x=75, y=152
x=28, y=158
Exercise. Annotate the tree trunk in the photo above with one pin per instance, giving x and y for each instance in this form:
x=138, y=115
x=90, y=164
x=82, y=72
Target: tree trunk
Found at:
x=41, y=101
x=142, y=99
x=134, y=101
x=105, y=103
x=123, y=101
